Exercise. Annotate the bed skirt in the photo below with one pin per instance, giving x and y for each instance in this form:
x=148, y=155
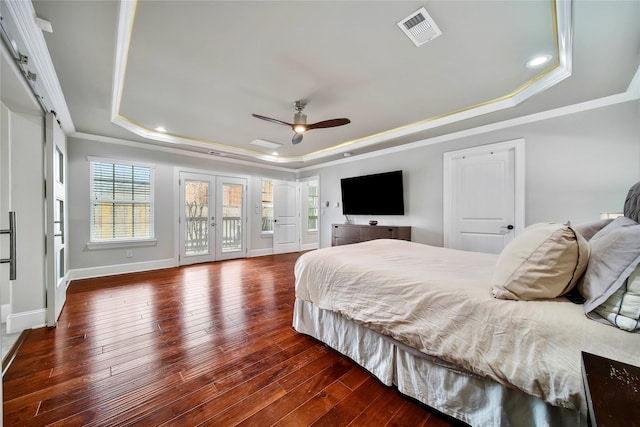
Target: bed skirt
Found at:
x=467, y=397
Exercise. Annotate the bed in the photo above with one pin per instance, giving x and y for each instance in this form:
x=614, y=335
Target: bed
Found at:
x=425, y=319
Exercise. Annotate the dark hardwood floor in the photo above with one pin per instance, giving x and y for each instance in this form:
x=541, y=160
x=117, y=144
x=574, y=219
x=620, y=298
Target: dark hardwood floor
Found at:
x=208, y=344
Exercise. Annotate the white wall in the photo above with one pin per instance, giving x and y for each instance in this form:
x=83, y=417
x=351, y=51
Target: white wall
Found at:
x=577, y=166
x=84, y=262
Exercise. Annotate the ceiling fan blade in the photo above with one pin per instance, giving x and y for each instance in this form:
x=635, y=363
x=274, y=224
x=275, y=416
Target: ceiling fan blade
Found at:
x=269, y=119
x=329, y=123
x=297, y=138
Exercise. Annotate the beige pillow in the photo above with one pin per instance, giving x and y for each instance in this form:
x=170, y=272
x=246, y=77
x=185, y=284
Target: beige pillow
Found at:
x=544, y=261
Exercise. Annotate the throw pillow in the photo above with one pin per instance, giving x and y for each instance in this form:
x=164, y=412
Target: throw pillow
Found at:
x=544, y=261
x=589, y=229
x=622, y=309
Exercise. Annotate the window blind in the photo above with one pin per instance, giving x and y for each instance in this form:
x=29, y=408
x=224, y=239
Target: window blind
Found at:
x=122, y=201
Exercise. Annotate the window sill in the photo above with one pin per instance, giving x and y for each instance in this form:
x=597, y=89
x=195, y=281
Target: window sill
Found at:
x=121, y=244
x=268, y=234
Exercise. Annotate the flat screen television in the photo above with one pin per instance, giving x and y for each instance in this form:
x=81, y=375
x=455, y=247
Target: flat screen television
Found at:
x=379, y=194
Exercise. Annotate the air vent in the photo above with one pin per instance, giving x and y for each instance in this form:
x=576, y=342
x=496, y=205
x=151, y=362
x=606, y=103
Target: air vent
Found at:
x=419, y=27
x=265, y=143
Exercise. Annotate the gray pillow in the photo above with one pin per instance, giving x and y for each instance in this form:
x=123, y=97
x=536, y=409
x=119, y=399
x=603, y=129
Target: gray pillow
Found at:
x=589, y=229
x=615, y=253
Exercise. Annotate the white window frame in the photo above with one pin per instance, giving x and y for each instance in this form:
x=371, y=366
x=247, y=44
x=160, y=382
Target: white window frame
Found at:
x=130, y=242
x=316, y=207
x=267, y=232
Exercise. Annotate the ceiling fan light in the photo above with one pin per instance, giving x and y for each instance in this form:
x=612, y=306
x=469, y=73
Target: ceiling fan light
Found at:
x=299, y=128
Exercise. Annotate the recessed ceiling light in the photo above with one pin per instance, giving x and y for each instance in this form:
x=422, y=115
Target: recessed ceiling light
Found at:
x=161, y=129
x=538, y=60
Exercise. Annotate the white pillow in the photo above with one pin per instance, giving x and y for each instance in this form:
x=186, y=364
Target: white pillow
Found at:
x=622, y=308
x=544, y=261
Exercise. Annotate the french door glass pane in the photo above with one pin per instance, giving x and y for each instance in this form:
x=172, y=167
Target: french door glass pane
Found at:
x=232, y=217
x=196, y=213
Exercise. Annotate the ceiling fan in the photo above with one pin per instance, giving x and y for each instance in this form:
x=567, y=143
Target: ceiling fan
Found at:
x=300, y=125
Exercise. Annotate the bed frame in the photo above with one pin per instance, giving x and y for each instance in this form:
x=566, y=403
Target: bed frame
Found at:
x=460, y=394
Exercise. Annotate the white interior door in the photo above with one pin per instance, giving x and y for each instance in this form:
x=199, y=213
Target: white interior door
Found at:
x=56, y=218
x=232, y=218
x=483, y=207
x=286, y=226
x=197, y=218
x=4, y=208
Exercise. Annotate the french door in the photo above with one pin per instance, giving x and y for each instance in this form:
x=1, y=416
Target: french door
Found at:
x=56, y=214
x=212, y=218
x=231, y=212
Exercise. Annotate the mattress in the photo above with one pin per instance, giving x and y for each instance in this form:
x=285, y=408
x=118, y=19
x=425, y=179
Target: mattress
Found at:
x=438, y=301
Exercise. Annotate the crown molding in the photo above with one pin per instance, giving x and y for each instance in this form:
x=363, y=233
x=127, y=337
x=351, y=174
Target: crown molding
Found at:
x=547, y=79
x=176, y=151
x=632, y=94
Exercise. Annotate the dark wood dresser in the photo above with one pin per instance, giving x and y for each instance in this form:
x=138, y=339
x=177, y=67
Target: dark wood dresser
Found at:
x=345, y=234
x=613, y=391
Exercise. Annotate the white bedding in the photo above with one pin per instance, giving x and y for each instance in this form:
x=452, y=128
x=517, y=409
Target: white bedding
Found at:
x=439, y=302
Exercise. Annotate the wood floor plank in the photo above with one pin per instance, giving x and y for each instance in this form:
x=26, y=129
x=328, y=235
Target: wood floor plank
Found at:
x=311, y=410
x=410, y=415
x=297, y=396
x=209, y=344
x=353, y=405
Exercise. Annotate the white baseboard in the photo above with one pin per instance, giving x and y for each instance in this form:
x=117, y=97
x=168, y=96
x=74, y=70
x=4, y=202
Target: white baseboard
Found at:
x=18, y=322
x=269, y=251
x=5, y=310
x=259, y=252
x=110, y=270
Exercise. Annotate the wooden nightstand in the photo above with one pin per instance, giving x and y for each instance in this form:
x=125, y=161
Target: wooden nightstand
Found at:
x=613, y=391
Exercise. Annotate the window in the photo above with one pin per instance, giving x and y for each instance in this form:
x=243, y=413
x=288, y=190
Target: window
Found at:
x=312, y=207
x=121, y=201
x=267, y=206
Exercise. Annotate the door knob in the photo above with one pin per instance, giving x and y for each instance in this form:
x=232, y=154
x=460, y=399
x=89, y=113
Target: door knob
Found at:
x=508, y=227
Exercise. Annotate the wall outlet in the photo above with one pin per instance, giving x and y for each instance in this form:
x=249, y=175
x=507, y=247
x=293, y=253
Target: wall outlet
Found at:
x=129, y=253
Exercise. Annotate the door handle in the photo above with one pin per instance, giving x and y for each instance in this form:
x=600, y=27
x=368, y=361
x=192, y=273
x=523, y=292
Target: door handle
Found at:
x=11, y=231
x=505, y=229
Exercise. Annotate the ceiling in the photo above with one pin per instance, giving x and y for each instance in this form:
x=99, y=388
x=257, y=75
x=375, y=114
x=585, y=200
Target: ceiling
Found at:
x=201, y=68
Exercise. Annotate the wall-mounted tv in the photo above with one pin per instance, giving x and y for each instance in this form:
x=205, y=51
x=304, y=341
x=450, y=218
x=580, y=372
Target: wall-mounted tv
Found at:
x=379, y=194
